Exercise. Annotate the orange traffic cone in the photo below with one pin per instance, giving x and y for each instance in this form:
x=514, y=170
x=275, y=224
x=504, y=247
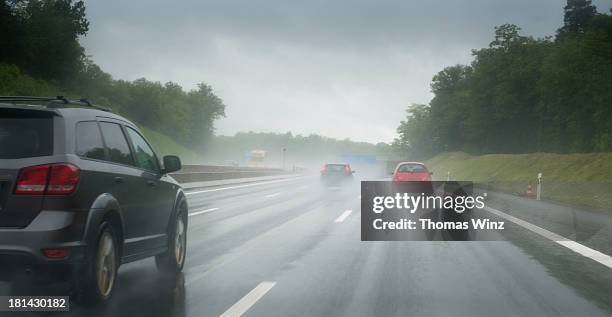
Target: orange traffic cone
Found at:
x=529, y=192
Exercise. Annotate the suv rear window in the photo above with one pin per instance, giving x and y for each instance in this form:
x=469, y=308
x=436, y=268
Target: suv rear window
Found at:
x=23, y=135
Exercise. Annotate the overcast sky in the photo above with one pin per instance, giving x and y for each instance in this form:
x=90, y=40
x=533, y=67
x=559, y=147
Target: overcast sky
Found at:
x=344, y=69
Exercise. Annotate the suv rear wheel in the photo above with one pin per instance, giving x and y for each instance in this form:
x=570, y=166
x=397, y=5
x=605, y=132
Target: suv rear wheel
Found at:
x=173, y=260
x=101, y=269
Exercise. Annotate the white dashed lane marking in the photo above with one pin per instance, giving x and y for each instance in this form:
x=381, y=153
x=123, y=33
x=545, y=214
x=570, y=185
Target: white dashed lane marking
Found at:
x=245, y=303
x=344, y=215
x=202, y=212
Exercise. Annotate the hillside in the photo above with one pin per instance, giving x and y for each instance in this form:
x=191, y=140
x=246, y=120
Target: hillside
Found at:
x=165, y=145
x=576, y=179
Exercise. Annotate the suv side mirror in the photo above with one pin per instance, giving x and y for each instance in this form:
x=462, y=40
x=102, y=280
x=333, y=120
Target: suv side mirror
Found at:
x=430, y=173
x=172, y=163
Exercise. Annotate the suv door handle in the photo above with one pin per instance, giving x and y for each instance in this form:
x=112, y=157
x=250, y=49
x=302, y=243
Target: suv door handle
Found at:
x=119, y=180
x=151, y=183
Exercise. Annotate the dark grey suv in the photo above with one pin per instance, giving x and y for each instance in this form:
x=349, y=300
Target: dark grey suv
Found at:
x=82, y=192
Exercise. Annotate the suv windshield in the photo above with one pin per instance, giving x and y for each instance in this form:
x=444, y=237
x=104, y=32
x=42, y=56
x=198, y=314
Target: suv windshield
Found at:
x=25, y=136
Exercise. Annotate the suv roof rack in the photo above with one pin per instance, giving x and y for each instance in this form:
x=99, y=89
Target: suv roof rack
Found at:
x=55, y=102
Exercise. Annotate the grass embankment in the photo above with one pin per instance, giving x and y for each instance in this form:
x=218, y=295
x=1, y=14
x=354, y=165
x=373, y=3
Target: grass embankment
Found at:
x=575, y=179
x=165, y=145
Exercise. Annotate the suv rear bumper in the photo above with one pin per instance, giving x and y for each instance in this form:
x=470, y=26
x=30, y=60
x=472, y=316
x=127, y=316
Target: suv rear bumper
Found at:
x=21, y=267
x=21, y=249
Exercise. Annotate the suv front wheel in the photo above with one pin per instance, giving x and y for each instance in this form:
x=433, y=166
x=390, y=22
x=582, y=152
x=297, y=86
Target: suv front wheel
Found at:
x=173, y=260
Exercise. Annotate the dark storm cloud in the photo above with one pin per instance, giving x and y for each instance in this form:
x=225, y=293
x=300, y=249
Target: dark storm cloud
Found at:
x=355, y=23
x=330, y=67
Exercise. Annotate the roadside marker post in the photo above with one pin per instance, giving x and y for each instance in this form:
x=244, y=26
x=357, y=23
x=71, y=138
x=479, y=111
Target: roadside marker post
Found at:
x=539, y=188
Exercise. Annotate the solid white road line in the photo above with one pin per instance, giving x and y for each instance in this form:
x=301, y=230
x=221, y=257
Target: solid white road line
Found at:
x=570, y=244
x=202, y=212
x=249, y=300
x=272, y=195
x=344, y=215
x=242, y=186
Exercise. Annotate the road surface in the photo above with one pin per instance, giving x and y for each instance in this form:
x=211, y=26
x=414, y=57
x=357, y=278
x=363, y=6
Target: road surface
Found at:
x=292, y=248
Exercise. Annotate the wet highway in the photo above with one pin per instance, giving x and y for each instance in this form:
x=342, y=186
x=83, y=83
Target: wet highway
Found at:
x=292, y=248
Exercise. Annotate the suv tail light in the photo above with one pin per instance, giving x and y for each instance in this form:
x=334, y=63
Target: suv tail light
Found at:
x=53, y=179
x=32, y=180
x=63, y=179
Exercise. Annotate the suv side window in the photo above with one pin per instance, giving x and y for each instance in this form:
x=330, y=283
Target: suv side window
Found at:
x=145, y=157
x=89, y=141
x=118, y=148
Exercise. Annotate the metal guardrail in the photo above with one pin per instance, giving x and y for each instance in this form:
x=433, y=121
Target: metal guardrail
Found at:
x=203, y=173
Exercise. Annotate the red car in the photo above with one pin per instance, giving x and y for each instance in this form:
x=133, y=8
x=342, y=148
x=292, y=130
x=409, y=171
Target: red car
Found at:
x=411, y=171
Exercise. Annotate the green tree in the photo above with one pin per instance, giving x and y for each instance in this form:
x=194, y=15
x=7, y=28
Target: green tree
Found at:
x=416, y=139
x=578, y=13
x=449, y=107
x=522, y=95
x=205, y=107
x=503, y=108
x=50, y=30
x=40, y=54
x=10, y=33
x=576, y=91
